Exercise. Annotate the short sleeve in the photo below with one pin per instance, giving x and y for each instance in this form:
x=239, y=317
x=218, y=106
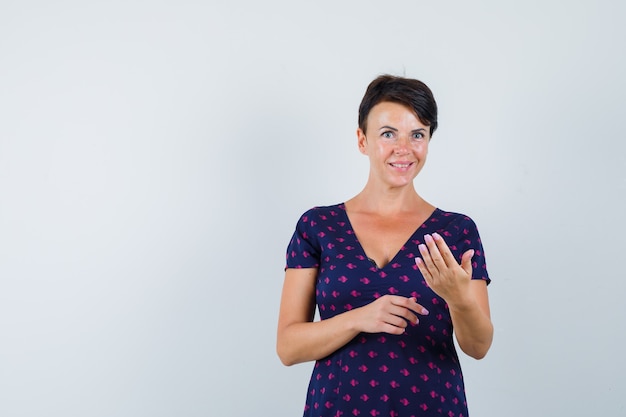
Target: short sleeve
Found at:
x=304, y=249
x=470, y=239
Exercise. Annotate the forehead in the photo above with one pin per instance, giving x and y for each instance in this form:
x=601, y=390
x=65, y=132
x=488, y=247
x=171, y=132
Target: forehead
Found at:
x=394, y=115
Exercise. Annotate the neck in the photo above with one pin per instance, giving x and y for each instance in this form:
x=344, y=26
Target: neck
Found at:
x=388, y=201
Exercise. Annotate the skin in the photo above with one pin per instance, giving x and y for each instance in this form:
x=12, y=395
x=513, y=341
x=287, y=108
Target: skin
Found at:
x=396, y=144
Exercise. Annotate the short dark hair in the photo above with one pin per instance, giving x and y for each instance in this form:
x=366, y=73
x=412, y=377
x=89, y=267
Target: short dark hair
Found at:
x=407, y=91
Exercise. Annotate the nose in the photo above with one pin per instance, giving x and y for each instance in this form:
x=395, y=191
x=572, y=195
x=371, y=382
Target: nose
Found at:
x=402, y=145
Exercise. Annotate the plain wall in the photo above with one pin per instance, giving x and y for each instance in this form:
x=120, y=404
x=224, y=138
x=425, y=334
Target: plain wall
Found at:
x=155, y=157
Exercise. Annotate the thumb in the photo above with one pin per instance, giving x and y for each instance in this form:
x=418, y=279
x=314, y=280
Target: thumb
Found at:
x=466, y=261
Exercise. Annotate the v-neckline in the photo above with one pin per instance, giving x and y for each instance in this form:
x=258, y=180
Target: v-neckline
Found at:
x=402, y=248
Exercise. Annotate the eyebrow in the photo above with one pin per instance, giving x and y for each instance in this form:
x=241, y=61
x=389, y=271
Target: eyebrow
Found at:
x=419, y=129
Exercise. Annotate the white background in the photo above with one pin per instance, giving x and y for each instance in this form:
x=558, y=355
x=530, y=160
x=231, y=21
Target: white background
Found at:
x=155, y=156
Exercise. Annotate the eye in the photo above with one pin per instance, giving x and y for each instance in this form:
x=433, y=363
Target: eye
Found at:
x=387, y=135
x=418, y=136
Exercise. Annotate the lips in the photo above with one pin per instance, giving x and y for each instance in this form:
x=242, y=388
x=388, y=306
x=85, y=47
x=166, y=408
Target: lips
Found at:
x=401, y=165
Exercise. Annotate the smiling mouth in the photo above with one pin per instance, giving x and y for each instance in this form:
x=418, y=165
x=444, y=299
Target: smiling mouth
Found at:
x=403, y=165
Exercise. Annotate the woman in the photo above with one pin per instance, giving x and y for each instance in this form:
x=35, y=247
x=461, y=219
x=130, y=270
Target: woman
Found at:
x=391, y=275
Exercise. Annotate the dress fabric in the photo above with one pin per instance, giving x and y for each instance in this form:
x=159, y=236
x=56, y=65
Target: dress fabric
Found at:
x=413, y=374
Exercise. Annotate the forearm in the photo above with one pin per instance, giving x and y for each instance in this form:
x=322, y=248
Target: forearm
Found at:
x=308, y=341
x=473, y=329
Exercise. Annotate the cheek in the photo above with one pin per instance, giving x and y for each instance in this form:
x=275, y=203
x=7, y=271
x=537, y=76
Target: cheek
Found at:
x=421, y=150
x=376, y=151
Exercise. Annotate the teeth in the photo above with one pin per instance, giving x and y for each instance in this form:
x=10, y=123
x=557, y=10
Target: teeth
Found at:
x=400, y=165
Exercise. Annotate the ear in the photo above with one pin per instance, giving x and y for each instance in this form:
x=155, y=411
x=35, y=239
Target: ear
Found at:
x=362, y=141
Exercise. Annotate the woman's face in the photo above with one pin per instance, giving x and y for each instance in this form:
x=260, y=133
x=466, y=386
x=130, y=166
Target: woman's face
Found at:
x=396, y=143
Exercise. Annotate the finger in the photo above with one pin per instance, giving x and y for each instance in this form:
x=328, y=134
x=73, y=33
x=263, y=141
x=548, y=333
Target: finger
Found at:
x=444, y=250
x=466, y=261
x=430, y=280
x=386, y=314
x=400, y=317
x=421, y=265
x=433, y=253
x=418, y=308
x=404, y=307
x=412, y=308
x=399, y=306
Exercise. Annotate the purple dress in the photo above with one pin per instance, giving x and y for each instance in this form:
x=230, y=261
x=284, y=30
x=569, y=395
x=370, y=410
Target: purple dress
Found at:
x=413, y=374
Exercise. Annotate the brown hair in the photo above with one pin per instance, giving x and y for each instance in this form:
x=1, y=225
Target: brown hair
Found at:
x=412, y=93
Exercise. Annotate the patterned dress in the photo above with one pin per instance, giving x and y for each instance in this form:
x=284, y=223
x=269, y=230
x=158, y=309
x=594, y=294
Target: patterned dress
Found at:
x=413, y=374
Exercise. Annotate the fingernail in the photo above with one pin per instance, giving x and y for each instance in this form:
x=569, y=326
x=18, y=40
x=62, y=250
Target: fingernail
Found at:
x=418, y=261
x=424, y=311
x=428, y=238
x=422, y=247
x=436, y=235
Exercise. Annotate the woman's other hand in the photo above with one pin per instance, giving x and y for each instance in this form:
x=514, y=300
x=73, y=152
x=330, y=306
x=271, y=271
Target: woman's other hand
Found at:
x=388, y=314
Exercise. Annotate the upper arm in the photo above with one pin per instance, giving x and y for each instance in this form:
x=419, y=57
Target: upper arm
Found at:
x=297, y=304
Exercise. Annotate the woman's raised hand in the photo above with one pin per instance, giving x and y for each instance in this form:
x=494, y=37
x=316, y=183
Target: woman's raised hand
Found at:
x=449, y=279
